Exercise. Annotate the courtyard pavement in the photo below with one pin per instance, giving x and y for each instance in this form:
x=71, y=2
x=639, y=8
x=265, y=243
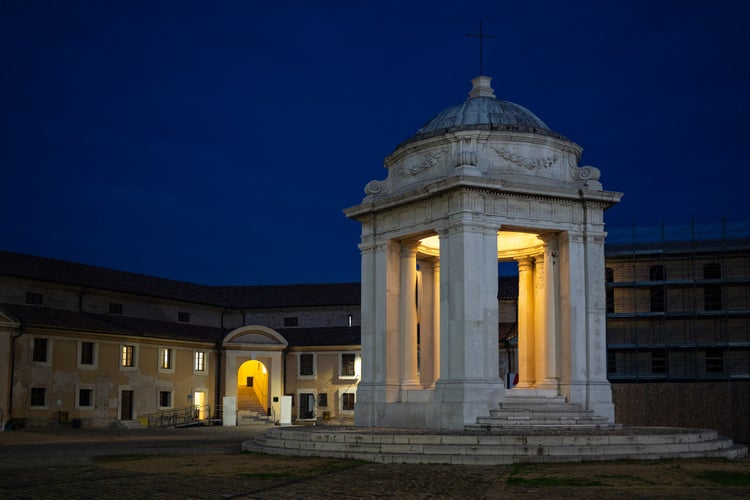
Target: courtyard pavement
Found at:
x=65, y=463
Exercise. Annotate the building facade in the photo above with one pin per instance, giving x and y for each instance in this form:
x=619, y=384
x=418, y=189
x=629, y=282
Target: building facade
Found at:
x=678, y=325
x=98, y=346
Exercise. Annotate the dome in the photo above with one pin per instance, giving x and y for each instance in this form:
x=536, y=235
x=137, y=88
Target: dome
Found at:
x=483, y=111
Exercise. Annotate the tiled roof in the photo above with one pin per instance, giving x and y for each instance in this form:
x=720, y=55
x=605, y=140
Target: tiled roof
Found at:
x=507, y=288
x=47, y=317
x=302, y=337
x=276, y=296
x=75, y=274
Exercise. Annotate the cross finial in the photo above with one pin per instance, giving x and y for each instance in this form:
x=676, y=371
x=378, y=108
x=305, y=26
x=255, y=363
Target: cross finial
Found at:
x=481, y=37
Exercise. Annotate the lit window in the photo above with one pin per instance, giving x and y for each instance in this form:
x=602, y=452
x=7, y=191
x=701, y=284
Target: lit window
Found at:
x=165, y=359
x=40, y=350
x=128, y=356
x=38, y=396
x=200, y=361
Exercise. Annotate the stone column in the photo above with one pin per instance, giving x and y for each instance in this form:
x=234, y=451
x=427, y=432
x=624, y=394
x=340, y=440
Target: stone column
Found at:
x=540, y=337
x=379, y=326
x=551, y=308
x=436, y=335
x=526, y=374
x=427, y=335
x=408, y=323
x=469, y=383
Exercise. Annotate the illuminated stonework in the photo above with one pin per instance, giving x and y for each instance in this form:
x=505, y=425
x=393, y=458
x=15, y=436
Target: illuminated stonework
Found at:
x=482, y=182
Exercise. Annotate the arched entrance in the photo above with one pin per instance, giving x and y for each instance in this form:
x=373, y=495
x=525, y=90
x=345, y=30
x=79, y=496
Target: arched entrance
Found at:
x=252, y=372
x=252, y=388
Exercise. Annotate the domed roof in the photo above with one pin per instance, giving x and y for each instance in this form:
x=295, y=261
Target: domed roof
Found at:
x=483, y=111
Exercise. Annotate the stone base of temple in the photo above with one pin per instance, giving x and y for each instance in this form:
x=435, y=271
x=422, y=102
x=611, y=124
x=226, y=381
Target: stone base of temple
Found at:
x=490, y=448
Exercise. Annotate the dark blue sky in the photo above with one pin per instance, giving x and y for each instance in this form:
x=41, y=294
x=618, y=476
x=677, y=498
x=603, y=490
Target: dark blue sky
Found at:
x=218, y=142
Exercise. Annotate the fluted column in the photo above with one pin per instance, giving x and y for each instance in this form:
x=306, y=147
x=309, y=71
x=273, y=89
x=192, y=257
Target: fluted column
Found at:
x=551, y=310
x=428, y=332
x=408, y=325
x=526, y=374
x=436, y=320
x=540, y=339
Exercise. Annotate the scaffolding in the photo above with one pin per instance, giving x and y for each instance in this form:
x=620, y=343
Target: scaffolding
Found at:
x=678, y=301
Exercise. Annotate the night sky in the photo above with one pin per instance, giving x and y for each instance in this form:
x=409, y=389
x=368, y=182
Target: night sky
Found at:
x=218, y=142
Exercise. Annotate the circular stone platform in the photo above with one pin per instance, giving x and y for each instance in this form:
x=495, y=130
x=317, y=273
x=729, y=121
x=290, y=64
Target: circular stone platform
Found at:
x=409, y=446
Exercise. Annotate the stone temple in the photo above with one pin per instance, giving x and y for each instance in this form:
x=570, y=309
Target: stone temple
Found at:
x=483, y=182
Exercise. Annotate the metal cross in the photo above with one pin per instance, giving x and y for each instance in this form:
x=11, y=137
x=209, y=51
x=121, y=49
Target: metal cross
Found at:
x=481, y=37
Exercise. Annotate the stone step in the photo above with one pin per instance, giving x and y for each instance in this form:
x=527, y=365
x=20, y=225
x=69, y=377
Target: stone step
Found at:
x=468, y=448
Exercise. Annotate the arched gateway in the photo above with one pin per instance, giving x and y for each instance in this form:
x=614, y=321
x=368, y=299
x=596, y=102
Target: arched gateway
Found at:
x=253, y=370
x=482, y=182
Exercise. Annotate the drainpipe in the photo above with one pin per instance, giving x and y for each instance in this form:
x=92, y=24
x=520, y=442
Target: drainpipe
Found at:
x=217, y=398
x=21, y=331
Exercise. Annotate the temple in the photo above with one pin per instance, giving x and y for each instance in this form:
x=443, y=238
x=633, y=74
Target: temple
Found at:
x=483, y=182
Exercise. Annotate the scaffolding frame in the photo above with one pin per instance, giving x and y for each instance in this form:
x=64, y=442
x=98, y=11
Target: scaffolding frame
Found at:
x=678, y=301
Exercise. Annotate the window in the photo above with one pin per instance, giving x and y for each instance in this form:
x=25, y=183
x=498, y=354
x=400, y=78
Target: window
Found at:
x=85, y=398
x=166, y=358
x=38, y=396
x=346, y=365
x=349, y=319
x=323, y=399
x=183, y=317
x=712, y=292
x=658, y=292
x=87, y=353
x=610, y=278
x=34, y=298
x=128, y=356
x=347, y=401
x=658, y=361
x=611, y=362
x=40, y=350
x=307, y=365
x=291, y=321
x=165, y=399
x=200, y=361
x=115, y=308
x=714, y=361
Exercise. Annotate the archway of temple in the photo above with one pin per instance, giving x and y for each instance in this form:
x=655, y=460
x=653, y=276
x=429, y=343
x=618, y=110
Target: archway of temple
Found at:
x=252, y=387
x=525, y=248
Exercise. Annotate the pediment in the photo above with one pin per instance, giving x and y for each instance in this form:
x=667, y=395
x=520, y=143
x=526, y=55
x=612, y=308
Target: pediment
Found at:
x=255, y=335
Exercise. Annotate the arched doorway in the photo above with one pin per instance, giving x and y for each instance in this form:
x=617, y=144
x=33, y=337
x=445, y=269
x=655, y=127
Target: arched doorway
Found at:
x=252, y=388
x=252, y=351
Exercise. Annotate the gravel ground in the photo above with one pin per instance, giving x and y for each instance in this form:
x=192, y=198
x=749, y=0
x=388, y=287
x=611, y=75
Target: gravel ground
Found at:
x=207, y=462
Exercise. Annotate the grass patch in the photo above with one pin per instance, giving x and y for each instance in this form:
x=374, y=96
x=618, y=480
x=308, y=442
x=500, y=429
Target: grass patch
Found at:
x=532, y=475
x=725, y=478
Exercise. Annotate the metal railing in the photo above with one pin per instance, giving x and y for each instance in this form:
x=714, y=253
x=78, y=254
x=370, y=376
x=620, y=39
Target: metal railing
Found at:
x=180, y=417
